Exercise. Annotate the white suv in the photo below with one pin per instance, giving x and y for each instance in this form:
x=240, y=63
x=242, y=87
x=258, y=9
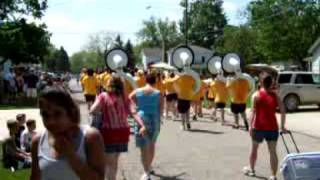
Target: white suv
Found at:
x=299, y=88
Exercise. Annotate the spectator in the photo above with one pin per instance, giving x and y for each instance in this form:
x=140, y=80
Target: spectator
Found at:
x=21, y=119
x=10, y=84
x=27, y=135
x=20, y=82
x=65, y=150
x=264, y=125
x=149, y=103
x=13, y=157
x=115, y=127
x=32, y=80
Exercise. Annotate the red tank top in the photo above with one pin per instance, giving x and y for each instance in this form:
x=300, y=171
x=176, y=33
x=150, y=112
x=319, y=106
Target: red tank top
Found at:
x=265, y=117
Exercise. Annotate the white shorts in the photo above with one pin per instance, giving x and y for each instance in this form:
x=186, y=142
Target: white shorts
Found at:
x=32, y=92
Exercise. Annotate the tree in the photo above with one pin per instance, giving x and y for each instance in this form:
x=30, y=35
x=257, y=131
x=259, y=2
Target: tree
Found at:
x=62, y=61
x=21, y=41
x=286, y=29
x=131, y=57
x=85, y=58
x=159, y=33
x=206, y=21
x=240, y=40
x=118, y=43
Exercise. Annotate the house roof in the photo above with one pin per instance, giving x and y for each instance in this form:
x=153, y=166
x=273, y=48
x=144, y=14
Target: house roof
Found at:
x=314, y=46
x=196, y=49
x=152, y=52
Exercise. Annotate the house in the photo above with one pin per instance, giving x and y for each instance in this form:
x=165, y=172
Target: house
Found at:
x=201, y=57
x=151, y=56
x=314, y=60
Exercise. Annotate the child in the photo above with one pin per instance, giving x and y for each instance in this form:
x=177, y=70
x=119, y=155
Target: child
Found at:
x=21, y=119
x=27, y=135
x=13, y=157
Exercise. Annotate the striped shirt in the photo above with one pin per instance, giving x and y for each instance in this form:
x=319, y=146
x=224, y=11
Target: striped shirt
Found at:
x=115, y=110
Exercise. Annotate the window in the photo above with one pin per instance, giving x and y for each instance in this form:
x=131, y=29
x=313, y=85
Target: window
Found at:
x=304, y=79
x=285, y=78
x=316, y=78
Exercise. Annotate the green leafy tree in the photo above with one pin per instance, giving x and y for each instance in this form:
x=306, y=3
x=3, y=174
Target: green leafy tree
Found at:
x=85, y=58
x=286, y=29
x=206, y=21
x=118, y=42
x=62, y=61
x=21, y=41
x=131, y=57
x=240, y=40
x=159, y=33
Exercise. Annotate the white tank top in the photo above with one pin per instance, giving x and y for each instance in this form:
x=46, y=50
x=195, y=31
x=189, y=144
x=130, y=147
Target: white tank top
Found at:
x=59, y=169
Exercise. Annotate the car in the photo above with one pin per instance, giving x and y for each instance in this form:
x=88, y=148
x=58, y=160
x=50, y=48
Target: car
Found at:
x=299, y=88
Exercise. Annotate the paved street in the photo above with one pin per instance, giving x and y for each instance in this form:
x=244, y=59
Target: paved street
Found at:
x=208, y=152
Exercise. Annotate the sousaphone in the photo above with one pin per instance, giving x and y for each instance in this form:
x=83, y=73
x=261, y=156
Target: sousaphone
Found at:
x=183, y=58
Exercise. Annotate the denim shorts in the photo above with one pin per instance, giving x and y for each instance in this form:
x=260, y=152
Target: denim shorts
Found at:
x=259, y=136
x=116, y=148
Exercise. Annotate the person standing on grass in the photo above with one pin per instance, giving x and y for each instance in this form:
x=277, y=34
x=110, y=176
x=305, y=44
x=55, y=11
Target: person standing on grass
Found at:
x=115, y=127
x=148, y=102
x=90, y=87
x=66, y=150
x=264, y=125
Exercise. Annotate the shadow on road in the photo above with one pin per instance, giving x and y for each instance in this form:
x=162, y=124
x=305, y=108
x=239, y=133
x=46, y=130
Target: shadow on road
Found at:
x=176, y=177
x=258, y=177
x=205, y=131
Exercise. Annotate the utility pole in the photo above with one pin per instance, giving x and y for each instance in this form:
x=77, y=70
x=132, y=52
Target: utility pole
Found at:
x=186, y=22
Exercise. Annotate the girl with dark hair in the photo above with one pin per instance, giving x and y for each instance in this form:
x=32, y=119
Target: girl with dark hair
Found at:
x=148, y=101
x=65, y=151
x=115, y=127
x=264, y=124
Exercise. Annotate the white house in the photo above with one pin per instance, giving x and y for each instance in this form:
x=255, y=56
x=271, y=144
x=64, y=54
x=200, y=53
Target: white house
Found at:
x=201, y=57
x=314, y=61
x=151, y=56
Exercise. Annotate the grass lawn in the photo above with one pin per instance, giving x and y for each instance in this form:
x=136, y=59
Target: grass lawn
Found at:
x=21, y=103
x=6, y=174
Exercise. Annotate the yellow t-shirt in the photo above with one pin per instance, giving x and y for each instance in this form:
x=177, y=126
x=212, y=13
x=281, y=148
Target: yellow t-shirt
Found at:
x=221, y=91
x=90, y=84
x=104, y=79
x=239, y=90
x=127, y=88
x=141, y=81
x=168, y=84
x=211, y=91
x=184, y=87
x=200, y=94
x=160, y=86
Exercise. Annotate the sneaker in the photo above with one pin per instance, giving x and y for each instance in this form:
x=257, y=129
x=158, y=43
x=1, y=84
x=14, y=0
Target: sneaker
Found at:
x=272, y=178
x=188, y=126
x=249, y=172
x=145, y=176
x=194, y=118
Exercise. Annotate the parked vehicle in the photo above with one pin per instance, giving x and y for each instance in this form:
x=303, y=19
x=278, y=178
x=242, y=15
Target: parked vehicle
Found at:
x=299, y=88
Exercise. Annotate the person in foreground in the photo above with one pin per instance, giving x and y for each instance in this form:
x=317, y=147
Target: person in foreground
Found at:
x=149, y=105
x=264, y=125
x=115, y=127
x=65, y=151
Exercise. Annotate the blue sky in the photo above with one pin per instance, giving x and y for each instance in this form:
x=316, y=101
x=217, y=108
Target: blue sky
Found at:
x=72, y=21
